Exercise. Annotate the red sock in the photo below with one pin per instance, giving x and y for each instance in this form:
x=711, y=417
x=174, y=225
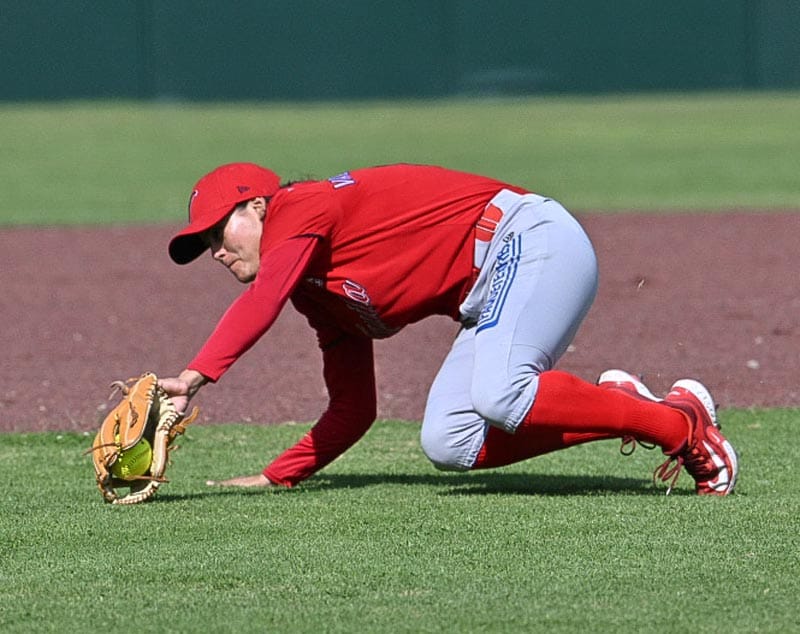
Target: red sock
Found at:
x=501, y=448
x=566, y=404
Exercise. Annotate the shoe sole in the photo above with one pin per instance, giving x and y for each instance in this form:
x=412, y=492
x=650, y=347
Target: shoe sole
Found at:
x=733, y=472
x=620, y=378
x=701, y=393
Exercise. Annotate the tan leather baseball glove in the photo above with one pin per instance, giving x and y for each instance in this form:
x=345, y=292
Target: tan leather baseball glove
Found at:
x=145, y=412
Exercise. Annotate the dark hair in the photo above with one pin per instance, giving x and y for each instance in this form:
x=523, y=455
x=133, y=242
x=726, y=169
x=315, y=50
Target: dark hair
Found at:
x=294, y=181
x=283, y=185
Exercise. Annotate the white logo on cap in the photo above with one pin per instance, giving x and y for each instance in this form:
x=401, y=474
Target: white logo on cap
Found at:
x=191, y=200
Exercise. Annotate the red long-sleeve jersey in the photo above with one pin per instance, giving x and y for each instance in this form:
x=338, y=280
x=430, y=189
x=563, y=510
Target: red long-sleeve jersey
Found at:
x=361, y=254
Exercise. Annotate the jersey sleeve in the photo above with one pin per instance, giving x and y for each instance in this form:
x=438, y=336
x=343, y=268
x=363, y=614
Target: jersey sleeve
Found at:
x=255, y=310
x=348, y=368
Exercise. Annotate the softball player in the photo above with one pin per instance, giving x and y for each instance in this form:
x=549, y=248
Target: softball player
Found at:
x=366, y=252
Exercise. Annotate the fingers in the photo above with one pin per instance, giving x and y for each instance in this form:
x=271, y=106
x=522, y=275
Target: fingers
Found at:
x=258, y=480
x=174, y=386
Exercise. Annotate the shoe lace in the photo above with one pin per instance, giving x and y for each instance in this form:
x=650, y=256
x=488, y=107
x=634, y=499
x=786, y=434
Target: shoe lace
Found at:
x=694, y=459
x=668, y=471
x=628, y=445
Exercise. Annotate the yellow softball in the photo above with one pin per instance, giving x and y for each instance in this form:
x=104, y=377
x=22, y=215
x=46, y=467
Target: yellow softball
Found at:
x=133, y=462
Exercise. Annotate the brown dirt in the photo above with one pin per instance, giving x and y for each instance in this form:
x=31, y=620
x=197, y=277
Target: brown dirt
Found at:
x=713, y=296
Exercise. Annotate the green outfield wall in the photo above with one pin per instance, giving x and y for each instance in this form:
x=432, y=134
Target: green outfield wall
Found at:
x=322, y=49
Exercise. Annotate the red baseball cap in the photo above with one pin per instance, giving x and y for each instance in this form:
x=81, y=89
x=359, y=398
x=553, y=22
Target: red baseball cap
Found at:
x=214, y=197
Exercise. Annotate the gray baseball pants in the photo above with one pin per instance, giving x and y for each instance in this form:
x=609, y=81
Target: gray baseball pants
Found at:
x=537, y=281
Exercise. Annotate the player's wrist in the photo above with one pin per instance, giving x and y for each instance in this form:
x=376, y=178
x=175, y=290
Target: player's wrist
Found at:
x=193, y=380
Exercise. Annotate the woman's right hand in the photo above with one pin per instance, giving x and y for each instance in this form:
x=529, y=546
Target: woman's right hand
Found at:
x=182, y=388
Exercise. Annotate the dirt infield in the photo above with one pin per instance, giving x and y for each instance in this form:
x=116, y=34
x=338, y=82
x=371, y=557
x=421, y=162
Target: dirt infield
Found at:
x=714, y=296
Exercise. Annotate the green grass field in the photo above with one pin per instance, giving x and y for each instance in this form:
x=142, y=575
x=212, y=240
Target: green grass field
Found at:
x=576, y=541
x=127, y=162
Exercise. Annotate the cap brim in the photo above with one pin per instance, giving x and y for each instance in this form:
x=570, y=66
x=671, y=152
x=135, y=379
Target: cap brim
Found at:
x=184, y=248
x=187, y=245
